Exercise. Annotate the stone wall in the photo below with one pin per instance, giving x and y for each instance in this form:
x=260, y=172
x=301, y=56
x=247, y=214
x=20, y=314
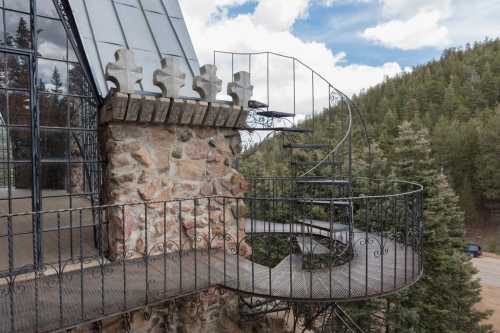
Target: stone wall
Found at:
x=150, y=159
x=214, y=310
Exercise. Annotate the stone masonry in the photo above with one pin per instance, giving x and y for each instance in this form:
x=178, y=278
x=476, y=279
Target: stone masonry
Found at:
x=163, y=148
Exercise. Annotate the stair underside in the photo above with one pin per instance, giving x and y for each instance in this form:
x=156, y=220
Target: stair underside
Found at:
x=275, y=114
x=306, y=146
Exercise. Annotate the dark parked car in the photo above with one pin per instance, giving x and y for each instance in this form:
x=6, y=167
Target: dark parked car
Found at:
x=473, y=250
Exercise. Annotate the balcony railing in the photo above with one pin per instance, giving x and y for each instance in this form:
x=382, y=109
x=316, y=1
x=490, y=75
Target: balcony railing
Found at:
x=272, y=244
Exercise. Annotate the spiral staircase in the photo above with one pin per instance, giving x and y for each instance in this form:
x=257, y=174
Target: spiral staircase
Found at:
x=329, y=260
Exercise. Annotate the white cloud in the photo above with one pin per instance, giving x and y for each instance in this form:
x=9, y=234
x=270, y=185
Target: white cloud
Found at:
x=422, y=30
x=269, y=28
x=410, y=24
x=279, y=15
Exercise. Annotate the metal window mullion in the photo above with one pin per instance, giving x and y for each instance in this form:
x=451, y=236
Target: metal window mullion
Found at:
x=157, y=47
x=120, y=25
x=177, y=37
x=94, y=40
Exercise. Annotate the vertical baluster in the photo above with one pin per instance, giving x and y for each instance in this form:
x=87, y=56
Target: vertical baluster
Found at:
x=101, y=252
x=209, y=243
x=82, y=294
x=290, y=241
x=395, y=223
x=124, y=258
x=224, y=236
x=180, y=243
x=59, y=268
x=195, y=246
x=11, y=273
x=146, y=250
x=405, y=210
x=238, y=244
x=164, y=248
x=366, y=244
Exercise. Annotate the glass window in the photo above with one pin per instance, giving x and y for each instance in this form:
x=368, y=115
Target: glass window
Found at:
x=46, y=8
x=53, y=144
x=183, y=34
x=17, y=30
x=149, y=61
x=53, y=177
x=17, y=71
x=78, y=8
x=75, y=79
x=164, y=34
x=52, y=76
x=2, y=42
x=173, y=8
x=21, y=5
x=104, y=21
x=20, y=139
x=95, y=64
x=18, y=106
x=52, y=41
x=152, y=5
x=53, y=110
x=138, y=35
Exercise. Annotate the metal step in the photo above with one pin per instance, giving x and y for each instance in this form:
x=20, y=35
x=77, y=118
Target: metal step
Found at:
x=280, y=129
x=308, y=245
x=315, y=162
x=252, y=104
x=325, y=181
x=275, y=114
x=324, y=202
x=306, y=146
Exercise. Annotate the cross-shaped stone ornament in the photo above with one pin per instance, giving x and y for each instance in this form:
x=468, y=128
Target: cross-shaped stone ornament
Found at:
x=207, y=84
x=124, y=73
x=171, y=77
x=240, y=89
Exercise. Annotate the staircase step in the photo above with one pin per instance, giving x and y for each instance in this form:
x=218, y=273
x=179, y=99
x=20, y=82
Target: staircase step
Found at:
x=275, y=114
x=309, y=246
x=306, y=146
x=324, y=202
x=280, y=129
x=252, y=104
x=331, y=182
x=315, y=162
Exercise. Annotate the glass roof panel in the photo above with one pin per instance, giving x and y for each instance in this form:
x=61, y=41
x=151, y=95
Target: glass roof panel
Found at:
x=151, y=28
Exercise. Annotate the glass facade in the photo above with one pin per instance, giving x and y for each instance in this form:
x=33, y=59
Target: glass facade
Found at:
x=49, y=157
x=158, y=30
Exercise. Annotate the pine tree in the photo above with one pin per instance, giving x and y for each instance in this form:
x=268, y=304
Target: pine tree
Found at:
x=432, y=305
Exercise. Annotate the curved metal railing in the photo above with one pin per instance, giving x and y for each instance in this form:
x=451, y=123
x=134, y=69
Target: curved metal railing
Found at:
x=298, y=249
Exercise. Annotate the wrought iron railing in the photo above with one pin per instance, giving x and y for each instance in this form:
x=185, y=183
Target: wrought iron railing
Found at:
x=275, y=246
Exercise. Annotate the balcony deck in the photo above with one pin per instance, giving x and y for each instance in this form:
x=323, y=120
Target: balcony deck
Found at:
x=90, y=291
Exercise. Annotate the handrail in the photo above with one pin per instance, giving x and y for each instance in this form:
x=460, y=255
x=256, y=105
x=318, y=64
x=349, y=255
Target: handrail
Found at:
x=349, y=103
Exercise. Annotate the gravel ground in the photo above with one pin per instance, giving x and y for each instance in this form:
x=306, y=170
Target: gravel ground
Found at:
x=489, y=273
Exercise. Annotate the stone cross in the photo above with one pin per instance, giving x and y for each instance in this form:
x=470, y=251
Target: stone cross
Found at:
x=207, y=84
x=240, y=90
x=124, y=73
x=171, y=77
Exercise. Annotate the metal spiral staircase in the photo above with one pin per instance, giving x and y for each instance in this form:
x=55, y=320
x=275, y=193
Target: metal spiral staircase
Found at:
x=320, y=179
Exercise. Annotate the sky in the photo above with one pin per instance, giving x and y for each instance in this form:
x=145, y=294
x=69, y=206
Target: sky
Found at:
x=355, y=44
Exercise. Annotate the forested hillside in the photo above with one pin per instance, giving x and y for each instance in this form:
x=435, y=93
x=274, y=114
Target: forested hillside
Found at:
x=456, y=98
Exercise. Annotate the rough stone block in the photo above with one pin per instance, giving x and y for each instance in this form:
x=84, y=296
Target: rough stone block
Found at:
x=199, y=114
x=188, y=112
x=242, y=119
x=223, y=115
x=176, y=110
x=212, y=114
x=234, y=114
x=115, y=108
x=161, y=110
x=134, y=107
x=147, y=109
